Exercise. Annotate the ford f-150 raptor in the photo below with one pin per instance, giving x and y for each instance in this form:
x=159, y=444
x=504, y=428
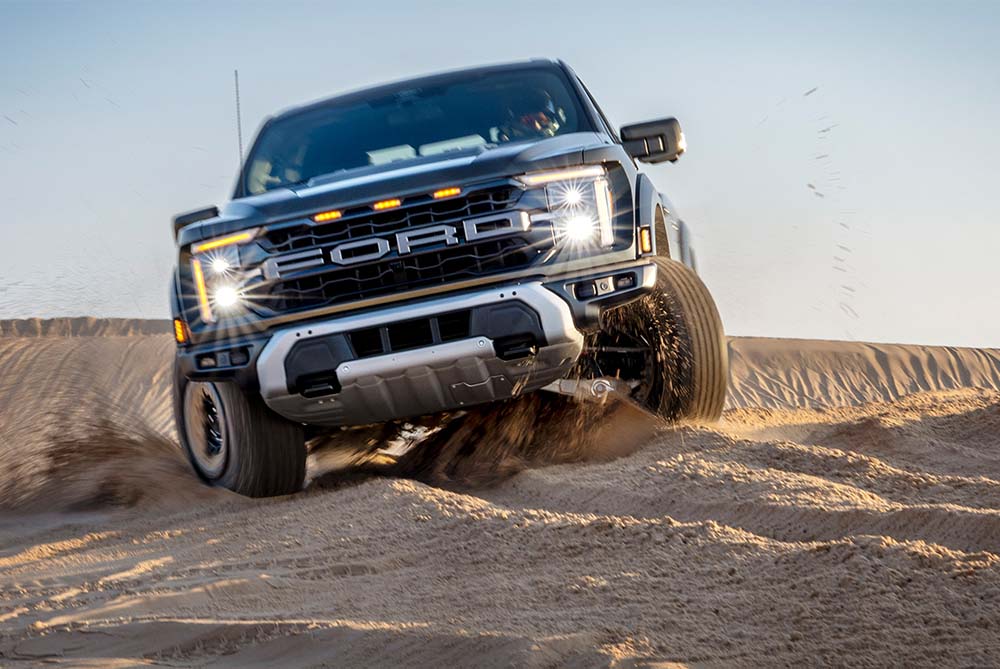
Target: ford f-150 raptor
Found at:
x=427, y=246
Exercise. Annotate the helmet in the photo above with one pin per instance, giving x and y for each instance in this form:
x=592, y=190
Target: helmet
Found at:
x=532, y=114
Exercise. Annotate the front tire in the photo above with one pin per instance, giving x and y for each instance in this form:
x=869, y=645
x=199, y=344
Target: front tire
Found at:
x=234, y=441
x=670, y=345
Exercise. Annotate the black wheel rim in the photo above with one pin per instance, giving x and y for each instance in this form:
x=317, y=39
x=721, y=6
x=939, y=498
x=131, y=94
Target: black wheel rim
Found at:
x=205, y=427
x=213, y=430
x=629, y=356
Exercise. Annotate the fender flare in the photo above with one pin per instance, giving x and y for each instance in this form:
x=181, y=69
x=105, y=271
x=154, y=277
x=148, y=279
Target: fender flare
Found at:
x=653, y=210
x=647, y=202
x=176, y=308
x=685, y=250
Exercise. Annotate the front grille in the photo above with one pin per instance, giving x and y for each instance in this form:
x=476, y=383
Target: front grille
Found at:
x=363, y=222
x=348, y=284
x=306, y=281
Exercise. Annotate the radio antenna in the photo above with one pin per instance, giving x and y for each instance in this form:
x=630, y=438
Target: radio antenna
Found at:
x=239, y=119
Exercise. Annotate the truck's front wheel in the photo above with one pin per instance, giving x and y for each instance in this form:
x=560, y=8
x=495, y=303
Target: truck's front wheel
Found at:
x=234, y=441
x=670, y=346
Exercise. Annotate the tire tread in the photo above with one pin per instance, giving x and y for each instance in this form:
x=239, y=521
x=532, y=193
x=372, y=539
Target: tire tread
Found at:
x=267, y=454
x=706, y=338
x=271, y=454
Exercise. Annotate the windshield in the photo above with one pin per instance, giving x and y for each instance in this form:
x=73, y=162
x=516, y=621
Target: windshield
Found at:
x=472, y=110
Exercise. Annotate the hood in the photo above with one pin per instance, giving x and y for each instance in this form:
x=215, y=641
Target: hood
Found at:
x=368, y=184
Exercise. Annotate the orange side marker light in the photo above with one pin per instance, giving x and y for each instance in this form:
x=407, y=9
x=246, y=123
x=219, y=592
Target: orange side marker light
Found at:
x=645, y=240
x=180, y=331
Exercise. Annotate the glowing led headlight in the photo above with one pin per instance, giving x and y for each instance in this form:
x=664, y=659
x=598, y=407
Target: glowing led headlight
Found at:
x=218, y=277
x=565, y=195
x=220, y=265
x=578, y=228
x=602, y=201
x=229, y=240
x=226, y=297
x=579, y=204
x=572, y=174
x=217, y=291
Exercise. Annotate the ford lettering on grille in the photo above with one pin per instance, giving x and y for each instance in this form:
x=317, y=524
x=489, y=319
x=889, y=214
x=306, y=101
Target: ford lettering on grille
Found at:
x=403, y=243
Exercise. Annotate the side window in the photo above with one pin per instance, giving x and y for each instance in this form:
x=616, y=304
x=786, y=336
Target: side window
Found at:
x=600, y=112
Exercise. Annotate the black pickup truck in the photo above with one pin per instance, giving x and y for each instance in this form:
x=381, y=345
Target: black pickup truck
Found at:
x=427, y=246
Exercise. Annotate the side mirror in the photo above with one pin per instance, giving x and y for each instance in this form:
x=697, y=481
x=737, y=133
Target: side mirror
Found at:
x=184, y=220
x=654, y=141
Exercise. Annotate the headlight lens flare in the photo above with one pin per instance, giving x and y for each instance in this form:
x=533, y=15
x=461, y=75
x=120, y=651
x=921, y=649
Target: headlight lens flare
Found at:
x=220, y=265
x=578, y=228
x=582, y=211
x=566, y=195
x=219, y=280
x=226, y=297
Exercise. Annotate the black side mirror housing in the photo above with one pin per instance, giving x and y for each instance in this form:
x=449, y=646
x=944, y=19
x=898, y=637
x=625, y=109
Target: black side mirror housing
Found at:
x=184, y=220
x=654, y=141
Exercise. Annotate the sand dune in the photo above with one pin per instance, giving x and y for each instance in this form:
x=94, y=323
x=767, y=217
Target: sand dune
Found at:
x=845, y=512
x=787, y=373
x=82, y=327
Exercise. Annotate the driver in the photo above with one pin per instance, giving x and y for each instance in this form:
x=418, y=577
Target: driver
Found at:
x=531, y=116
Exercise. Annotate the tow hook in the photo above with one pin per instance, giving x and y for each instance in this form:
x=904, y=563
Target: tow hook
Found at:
x=590, y=390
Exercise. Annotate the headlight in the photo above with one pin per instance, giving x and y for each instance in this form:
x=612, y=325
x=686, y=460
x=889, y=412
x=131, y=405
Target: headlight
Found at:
x=218, y=277
x=578, y=228
x=226, y=296
x=579, y=205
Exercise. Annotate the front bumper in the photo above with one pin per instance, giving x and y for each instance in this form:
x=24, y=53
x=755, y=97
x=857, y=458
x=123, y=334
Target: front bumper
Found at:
x=448, y=375
x=520, y=337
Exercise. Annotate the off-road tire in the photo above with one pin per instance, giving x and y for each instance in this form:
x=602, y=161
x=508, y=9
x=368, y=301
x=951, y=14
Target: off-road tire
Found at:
x=264, y=455
x=686, y=374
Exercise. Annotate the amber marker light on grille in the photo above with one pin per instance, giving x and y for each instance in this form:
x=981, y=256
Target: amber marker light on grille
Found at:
x=325, y=216
x=387, y=204
x=645, y=240
x=199, y=284
x=447, y=192
x=228, y=240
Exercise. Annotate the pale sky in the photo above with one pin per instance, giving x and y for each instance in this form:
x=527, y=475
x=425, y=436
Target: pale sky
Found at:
x=865, y=210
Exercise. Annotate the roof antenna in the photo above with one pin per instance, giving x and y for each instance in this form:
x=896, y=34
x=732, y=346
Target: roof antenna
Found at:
x=239, y=119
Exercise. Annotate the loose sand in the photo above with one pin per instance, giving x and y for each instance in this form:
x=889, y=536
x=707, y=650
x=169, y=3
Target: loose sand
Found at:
x=845, y=512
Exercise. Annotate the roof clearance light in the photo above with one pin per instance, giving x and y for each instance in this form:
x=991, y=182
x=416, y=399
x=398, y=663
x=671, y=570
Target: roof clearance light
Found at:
x=229, y=240
x=539, y=178
x=387, y=204
x=447, y=192
x=325, y=216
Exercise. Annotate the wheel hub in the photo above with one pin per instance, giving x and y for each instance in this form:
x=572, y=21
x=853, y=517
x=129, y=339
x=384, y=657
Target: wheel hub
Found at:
x=627, y=356
x=205, y=427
